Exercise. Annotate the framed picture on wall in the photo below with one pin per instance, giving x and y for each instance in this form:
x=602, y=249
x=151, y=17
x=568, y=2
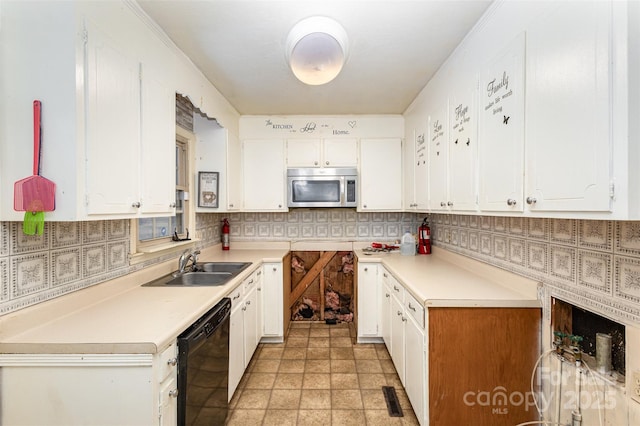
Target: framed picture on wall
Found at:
x=208, y=189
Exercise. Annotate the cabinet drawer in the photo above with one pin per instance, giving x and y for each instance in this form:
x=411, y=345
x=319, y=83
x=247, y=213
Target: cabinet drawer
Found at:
x=396, y=288
x=415, y=309
x=252, y=281
x=236, y=295
x=168, y=360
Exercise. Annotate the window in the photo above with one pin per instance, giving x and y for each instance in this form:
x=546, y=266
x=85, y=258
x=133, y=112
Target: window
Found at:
x=156, y=234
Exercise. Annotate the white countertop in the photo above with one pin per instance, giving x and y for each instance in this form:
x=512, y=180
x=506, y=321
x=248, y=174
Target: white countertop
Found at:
x=120, y=316
x=448, y=279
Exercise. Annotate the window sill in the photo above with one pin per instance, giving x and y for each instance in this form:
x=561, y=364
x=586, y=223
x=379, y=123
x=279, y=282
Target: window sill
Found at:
x=153, y=251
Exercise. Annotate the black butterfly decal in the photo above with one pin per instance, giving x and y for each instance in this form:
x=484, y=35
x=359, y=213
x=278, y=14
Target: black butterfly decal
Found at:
x=505, y=120
x=468, y=141
x=456, y=142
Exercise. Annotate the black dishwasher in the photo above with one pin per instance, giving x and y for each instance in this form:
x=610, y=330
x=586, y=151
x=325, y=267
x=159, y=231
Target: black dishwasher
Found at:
x=203, y=368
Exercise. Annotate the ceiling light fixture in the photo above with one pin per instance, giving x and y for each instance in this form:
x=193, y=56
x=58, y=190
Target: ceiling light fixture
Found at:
x=316, y=50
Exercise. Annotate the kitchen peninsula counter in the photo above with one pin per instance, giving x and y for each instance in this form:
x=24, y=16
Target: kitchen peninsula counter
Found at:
x=446, y=279
x=121, y=316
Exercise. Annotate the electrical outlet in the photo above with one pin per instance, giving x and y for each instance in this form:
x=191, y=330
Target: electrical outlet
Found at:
x=635, y=386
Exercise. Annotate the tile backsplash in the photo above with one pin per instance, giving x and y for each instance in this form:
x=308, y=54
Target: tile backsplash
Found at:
x=70, y=256
x=591, y=264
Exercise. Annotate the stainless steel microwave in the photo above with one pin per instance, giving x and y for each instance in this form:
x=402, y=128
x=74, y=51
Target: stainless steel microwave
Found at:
x=322, y=187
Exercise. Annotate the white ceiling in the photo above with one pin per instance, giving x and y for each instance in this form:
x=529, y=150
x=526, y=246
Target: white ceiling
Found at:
x=395, y=46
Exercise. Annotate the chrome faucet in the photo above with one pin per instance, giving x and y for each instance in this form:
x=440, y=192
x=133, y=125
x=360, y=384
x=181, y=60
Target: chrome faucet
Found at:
x=183, y=261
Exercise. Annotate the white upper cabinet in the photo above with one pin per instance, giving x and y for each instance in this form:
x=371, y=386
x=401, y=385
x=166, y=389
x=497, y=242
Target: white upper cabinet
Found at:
x=380, y=175
x=438, y=158
x=322, y=152
x=568, y=129
x=340, y=153
x=463, y=150
x=216, y=152
x=113, y=127
x=501, y=130
x=304, y=153
x=157, y=159
x=263, y=176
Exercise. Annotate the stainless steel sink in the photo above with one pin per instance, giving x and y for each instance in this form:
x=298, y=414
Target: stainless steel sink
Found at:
x=231, y=267
x=206, y=274
x=201, y=278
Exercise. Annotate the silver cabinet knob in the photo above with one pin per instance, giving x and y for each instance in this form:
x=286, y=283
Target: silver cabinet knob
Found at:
x=386, y=295
x=172, y=205
x=326, y=162
x=275, y=269
x=404, y=319
x=315, y=163
x=230, y=205
x=366, y=269
x=364, y=206
x=511, y=202
x=259, y=288
x=136, y=205
x=173, y=393
x=531, y=200
x=450, y=204
x=279, y=206
x=443, y=204
x=248, y=302
x=172, y=362
x=399, y=313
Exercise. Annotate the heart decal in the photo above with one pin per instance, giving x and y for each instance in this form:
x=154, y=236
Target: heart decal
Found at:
x=352, y=124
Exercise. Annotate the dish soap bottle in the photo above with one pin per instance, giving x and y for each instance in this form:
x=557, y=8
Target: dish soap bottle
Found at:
x=408, y=244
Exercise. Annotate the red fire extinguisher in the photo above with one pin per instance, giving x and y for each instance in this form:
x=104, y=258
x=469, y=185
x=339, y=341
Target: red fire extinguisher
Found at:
x=424, y=238
x=225, y=234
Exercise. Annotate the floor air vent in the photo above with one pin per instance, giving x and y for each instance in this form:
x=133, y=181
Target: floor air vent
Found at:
x=393, y=405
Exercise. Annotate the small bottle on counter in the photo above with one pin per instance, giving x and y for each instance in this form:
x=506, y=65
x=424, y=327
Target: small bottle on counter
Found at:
x=408, y=244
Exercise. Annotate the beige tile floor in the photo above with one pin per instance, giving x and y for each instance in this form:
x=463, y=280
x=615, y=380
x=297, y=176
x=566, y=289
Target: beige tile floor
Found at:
x=318, y=376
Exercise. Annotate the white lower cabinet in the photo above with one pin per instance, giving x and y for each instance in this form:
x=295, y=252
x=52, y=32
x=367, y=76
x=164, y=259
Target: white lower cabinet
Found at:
x=83, y=389
x=236, y=341
x=402, y=324
x=272, y=302
x=368, y=313
x=397, y=336
x=256, y=312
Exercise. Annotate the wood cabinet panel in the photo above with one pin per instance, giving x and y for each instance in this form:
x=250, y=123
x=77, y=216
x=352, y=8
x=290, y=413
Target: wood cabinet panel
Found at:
x=473, y=350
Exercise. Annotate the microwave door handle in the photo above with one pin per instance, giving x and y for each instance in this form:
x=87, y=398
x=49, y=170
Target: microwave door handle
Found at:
x=343, y=190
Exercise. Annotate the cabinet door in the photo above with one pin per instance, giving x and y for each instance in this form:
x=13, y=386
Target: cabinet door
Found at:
x=421, y=171
x=272, y=294
x=367, y=300
x=380, y=174
x=158, y=153
x=438, y=159
x=236, y=348
x=416, y=358
x=409, y=170
x=264, y=175
x=463, y=150
x=259, y=305
x=385, y=316
x=250, y=312
x=169, y=403
x=397, y=337
x=340, y=153
x=568, y=138
x=303, y=153
x=113, y=127
x=234, y=174
x=501, y=130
